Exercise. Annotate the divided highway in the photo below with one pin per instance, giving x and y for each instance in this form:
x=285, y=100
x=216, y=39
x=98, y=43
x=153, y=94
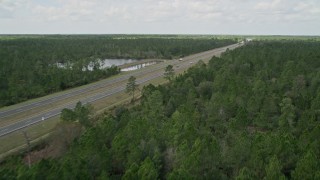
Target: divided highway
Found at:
x=91, y=93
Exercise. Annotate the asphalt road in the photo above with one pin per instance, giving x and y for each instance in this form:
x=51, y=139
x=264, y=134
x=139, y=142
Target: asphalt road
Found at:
x=144, y=75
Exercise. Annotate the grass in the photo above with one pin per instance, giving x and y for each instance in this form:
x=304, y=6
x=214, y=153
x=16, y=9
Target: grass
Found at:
x=61, y=103
x=16, y=142
x=16, y=139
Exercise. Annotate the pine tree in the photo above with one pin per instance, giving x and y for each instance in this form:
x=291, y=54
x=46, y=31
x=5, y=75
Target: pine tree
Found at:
x=131, y=86
x=169, y=73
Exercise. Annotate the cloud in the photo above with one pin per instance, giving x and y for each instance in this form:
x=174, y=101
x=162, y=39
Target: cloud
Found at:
x=74, y=10
x=10, y=5
x=285, y=11
x=8, y=8
x=153, y=11
x=163, y=15
x=268, y=5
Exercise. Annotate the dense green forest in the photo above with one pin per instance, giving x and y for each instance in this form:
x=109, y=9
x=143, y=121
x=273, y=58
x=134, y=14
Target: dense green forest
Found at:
x=28, y=64
x=253, y=113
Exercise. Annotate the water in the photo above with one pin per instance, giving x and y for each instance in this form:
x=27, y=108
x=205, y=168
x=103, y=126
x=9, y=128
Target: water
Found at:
x=138, y=66
x=110, y=62
x=101, y=63
x=63, y=65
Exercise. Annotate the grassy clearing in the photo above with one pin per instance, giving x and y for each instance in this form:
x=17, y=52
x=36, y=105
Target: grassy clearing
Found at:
x=121, y=98
x=60, y=93
x=61, y=103
x=16, y=141
x=58, y=104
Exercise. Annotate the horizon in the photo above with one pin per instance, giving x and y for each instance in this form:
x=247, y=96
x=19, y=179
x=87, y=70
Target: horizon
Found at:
x=168, y=34
x=229, y=17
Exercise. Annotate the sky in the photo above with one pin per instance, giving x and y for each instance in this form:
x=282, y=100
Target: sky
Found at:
x=247, y=17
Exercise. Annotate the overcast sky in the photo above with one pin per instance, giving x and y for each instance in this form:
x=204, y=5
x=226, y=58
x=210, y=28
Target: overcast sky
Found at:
x=278, y=17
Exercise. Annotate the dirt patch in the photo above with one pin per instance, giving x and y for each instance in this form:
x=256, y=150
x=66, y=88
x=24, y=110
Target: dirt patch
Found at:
x=58, y=143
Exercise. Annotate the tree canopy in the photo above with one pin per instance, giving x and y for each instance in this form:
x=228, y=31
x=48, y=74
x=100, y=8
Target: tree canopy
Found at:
x=250, y=114
x=132, y=86
x=169, y=72
x=33, y=66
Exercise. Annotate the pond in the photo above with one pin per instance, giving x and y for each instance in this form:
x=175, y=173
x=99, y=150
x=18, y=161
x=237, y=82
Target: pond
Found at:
x=110, y=62
x=101, y=63
x=138, y=66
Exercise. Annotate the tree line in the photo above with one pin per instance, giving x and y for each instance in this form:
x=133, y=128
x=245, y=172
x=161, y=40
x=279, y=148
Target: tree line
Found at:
x=29, y=65
x=253, y=113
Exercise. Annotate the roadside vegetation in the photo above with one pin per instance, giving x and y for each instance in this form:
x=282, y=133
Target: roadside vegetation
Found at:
x=34, y=66
x=131, y=87
x=251, y=114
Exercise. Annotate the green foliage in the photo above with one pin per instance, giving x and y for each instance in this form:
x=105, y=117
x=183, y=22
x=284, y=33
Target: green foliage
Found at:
x=33, y=66
x=273, y=170
x=131, y=86
x=307, y=167
x=80, y=114
x=245, y=174
x=250, y=114
x=205, y=89
x=68, y=115
x=132, y=172
x=169, y=73
x=147, y=170
x=287, y=113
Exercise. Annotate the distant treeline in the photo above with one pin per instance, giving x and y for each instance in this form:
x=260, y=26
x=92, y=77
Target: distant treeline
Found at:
x=28, y=64
x=253, y=113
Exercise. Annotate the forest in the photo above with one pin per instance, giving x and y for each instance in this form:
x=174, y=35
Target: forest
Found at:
x=253, y=113
x=29, y=65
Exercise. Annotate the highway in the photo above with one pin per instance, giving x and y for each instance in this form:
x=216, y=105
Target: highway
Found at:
x=51, y=105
